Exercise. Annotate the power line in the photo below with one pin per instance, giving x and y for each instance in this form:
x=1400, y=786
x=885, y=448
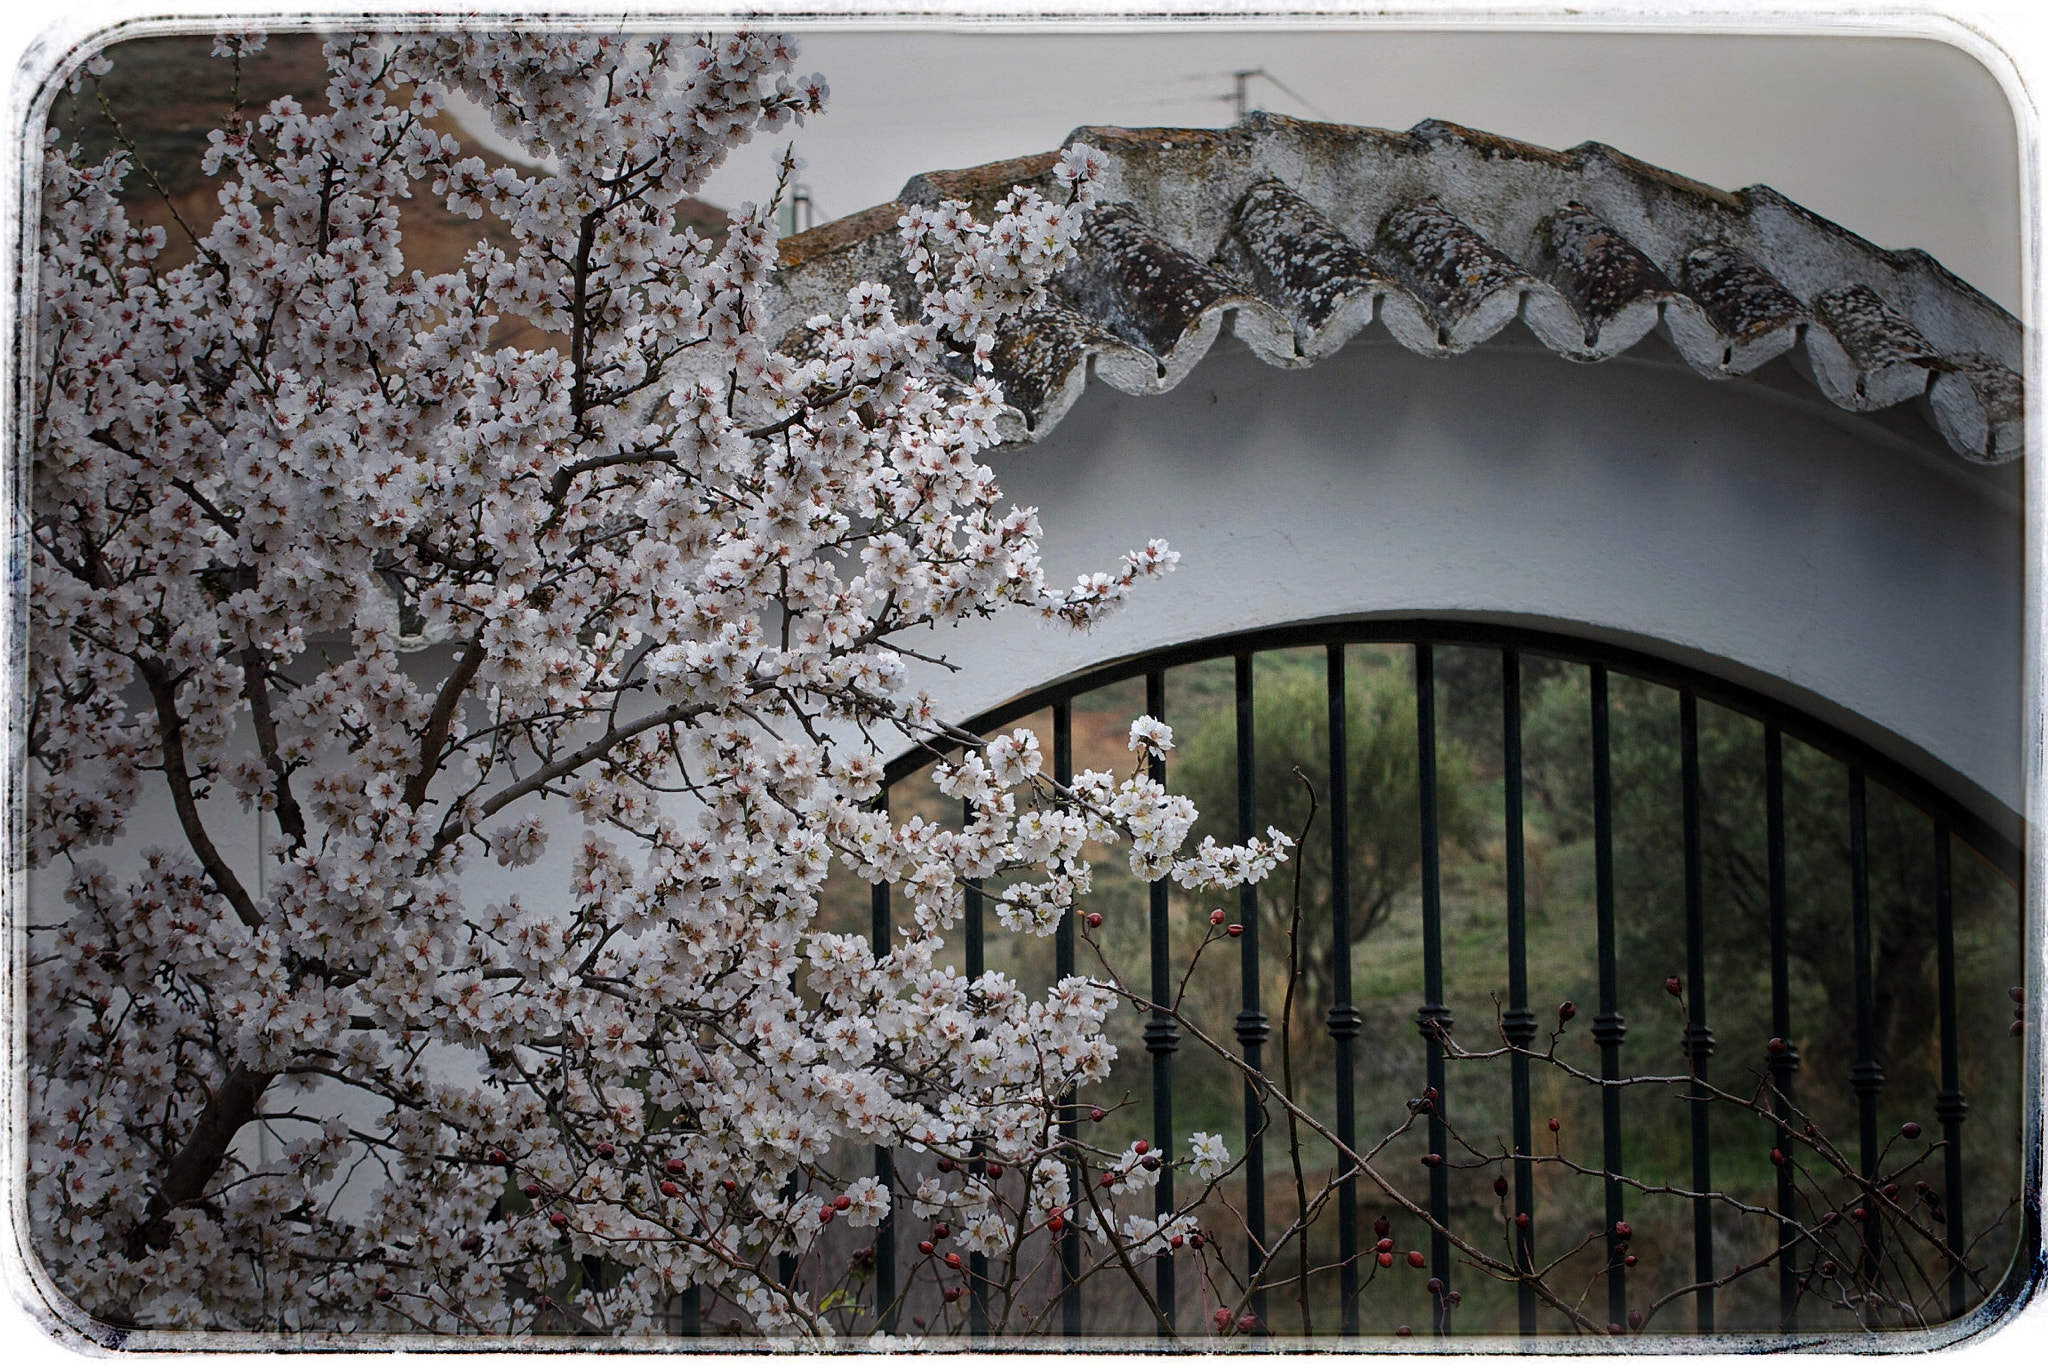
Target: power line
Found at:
x=1243, y=80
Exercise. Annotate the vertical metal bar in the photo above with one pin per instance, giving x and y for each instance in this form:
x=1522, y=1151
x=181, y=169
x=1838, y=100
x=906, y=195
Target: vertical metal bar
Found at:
x=1949, y=1104
x=689, y=1313
x=1162, y=1036
x=1434, y=1018
x=1518, y=1022
x=1866, y=1077
x=1344, y=1020
x=1252, y=1027
x=1609, y=1030
x=879, y=942
x=1780, y=1056
x=1063, y=952
x=977, y=1262
x=1699, y=1039
x=785, y=1262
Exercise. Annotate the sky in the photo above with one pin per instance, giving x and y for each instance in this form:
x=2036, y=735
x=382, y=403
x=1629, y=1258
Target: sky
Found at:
x=1908, y=142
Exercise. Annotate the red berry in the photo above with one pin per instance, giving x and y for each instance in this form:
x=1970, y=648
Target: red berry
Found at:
x=1141, y=1146
x=1386, y=1258
x=1673, y=986
x=953, y=1294
x=1432, y=1160
x=1909, y=1130
x=1108, y=1179
x=670, y=1188
x=1221, y=1317
x=1554, y=1125
x=1235, y=931
x=1417, y=1259
x=1500, y=1185
x=995, y=1170
x=1056, y=1222
x=1777, y=1047
x=916, y=1320
x=1097, y=1115
x=473, y=1243
x=953, y=1260
x=1404, y=1330
x=1177, y=1240
x=1454, y=1298
x=383, y=1293
x=1614, y=1329
x=1384, y=1244
x=732, y=1187
x=1149, y=1162
x=1623, y=1231
x=941, y=1231
x=1195, y=1241
x=1217, y=917
x=1248, y=1323
x=1381, y=1225
x=498, y=1157
x=559, y=1219
x=1629, y=1260
x=676, y=1166
x=1777, y=1157
x=926, y=1247
x=1435, y=1286
x=1521, y=1220
x=530, y=1190
x=827, y=1214
x=1566, y=1011
x=841, y=1202
x=945, y=1164
x=1094, y=920
x=604, y=1149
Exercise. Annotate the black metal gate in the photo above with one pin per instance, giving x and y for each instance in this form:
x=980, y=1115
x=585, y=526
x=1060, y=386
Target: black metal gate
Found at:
x=1950, y=1190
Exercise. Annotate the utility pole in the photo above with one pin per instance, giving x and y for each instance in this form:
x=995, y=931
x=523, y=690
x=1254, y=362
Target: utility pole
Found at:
x=1240, y=97
x=1243, y=78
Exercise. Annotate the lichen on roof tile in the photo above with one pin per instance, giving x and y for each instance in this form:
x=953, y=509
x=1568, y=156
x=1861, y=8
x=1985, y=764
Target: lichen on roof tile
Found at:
x=1037, y=353
x=1442, y=235
x=1138, y=285
x=1871, y=331
x=1744, y=300
x=1444, y=260
x=1297, y=257
x=1601, y=270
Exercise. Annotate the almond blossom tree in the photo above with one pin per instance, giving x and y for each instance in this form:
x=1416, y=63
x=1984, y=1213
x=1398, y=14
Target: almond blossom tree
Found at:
x=670, y=563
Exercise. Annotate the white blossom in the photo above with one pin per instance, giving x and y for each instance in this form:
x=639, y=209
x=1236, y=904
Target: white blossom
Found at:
x=668, y=572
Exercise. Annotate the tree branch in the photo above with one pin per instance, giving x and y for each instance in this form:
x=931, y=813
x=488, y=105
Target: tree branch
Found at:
x=231, y=1105
x=442, y=720
x=170, y=729
x=256, y=691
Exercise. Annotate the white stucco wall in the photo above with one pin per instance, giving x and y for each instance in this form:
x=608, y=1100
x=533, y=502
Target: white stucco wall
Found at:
x=1849, y=565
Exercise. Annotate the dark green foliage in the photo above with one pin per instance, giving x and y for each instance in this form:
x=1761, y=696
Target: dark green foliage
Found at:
x=1293, y=746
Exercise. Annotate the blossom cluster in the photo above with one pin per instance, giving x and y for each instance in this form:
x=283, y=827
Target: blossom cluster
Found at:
x=302, y=535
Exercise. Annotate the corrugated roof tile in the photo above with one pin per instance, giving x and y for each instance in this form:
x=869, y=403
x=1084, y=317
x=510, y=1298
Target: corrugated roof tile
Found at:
x=1302, y=234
